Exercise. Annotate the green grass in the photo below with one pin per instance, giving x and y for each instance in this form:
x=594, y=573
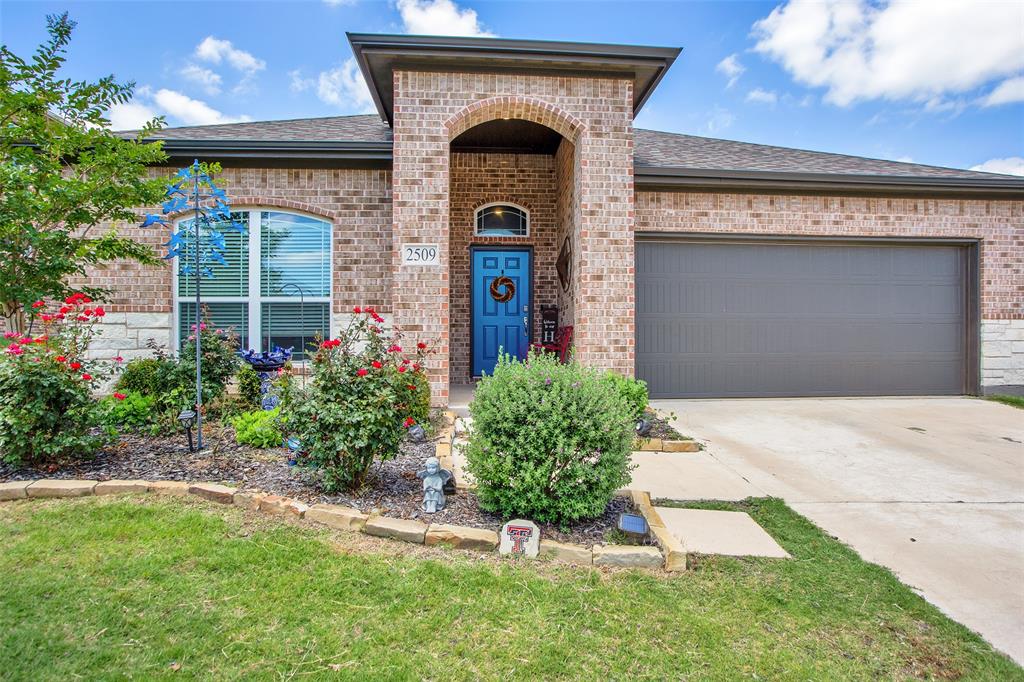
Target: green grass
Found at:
x=106, y=588
x=1011, y=400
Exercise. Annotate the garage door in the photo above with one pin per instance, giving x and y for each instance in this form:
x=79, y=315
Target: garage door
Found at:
x=726, y=319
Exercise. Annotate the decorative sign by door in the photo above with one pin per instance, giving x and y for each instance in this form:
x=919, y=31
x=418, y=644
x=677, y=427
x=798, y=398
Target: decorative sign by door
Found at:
x=420, y=254
x=563, y=266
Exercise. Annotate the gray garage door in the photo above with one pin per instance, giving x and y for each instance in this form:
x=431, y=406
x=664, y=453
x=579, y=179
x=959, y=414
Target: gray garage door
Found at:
x=721, y=319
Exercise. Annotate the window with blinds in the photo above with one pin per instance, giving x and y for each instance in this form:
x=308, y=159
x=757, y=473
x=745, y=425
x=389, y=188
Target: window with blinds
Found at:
x=275, y=288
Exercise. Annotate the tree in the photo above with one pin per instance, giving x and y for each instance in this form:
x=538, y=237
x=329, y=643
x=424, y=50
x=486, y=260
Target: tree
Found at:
x=63, y=175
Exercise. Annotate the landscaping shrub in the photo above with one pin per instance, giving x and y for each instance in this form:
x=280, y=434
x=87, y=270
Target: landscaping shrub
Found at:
x=131, y=411
x=146, y=376
x=633, y=391
x=354, y=409
x=418, y=408
x=248, y=385
x=47, y=411
x=220, y=362
x=549, y=442
x=258, y=428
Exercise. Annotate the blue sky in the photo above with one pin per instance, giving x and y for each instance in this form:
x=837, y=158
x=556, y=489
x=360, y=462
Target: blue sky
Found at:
x=934, y=82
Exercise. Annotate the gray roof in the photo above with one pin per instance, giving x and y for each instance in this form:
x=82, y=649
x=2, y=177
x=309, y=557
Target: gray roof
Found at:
x=675, y=150
x=656, y=153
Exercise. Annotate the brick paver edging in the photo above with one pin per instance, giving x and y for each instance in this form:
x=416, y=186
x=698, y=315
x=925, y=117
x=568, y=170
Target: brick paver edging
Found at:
x=665, y=445
x=348, y=518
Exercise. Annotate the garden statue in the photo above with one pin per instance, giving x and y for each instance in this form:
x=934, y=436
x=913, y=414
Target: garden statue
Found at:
x=434, y=480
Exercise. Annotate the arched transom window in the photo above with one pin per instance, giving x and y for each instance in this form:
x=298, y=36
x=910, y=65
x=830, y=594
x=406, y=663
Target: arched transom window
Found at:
x=274, y=288
x=502, y=220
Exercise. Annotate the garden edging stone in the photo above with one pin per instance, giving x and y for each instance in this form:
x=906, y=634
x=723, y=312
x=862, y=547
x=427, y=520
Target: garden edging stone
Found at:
x=566, y=553
x=214, y=492
x=671, y=547
x=461, y=537
x=336, y=516
x=627, y=556
x=50, y=487
x=117, y=487
x=169, y=487
x=14, y=490
x=407, y=530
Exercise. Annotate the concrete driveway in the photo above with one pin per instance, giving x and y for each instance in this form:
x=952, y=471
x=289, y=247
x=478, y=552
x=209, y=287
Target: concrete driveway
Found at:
x=932, y=488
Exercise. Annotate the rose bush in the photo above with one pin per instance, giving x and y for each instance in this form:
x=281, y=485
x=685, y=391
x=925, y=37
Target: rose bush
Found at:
x=47, y=411
x=358, y=404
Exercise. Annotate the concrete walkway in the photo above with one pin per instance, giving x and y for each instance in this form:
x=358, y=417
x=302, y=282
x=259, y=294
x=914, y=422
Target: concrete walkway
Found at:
x=932, y=488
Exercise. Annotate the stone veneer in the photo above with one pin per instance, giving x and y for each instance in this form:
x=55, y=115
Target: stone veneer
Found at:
x=1002, y=355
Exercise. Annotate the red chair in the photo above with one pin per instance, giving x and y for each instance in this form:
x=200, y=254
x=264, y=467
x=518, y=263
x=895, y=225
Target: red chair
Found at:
x=563, y=338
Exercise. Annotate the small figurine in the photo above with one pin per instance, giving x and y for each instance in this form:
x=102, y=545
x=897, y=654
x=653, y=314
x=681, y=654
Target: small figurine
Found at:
x=434, y=479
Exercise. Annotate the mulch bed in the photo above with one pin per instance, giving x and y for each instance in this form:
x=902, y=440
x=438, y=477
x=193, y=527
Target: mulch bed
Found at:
x=392, y=487
x=661, y=428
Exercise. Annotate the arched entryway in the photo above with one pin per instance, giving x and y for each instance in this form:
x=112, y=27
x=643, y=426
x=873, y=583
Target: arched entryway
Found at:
x=513, y=204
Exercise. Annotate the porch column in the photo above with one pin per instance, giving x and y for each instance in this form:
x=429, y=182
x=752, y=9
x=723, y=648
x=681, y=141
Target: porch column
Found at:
x=604, y=296
x=420, y=217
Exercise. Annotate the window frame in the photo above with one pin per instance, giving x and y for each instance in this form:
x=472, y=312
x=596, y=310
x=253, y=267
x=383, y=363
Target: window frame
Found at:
x=254, y=300
x=492, y=204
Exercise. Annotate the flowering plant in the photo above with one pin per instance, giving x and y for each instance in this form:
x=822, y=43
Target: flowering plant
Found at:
x=46, y=381
x=357, y=407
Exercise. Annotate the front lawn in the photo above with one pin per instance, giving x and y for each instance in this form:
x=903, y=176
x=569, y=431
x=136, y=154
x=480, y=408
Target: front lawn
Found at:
x=106, y=588
x=1011, y=400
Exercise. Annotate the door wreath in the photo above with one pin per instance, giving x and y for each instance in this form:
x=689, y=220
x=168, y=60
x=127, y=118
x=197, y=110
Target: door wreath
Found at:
x=496, y=289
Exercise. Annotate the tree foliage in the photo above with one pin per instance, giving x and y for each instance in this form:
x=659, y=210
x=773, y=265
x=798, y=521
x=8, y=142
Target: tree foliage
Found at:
x=64, y=174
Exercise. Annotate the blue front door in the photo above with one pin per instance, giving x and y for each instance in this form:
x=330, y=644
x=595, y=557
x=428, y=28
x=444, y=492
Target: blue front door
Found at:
x=499, y=324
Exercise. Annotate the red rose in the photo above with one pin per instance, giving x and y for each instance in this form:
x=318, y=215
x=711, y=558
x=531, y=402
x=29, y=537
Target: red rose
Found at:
x=411, y=387
x=401, y=369
x=100, y=312
x=416, y=366
x=376, y=364
x=65, y=310
x=38, y=304
x=118, y=359
x=75, y=365
x=406, y=361
x=120, y=396
x=395, y=349
x=421, y=345
x=409, y=421
x=87, y=377
x=361, y=372
x=357, y=310
x=86, y=299
x=61, y=358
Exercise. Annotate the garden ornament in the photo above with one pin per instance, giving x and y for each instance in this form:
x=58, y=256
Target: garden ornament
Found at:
x=417, y=434
x=434, y=479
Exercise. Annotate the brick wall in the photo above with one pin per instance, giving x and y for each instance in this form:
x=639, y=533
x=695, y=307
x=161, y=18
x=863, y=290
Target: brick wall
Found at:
x=431, y=109
x=999, y=225
x=356, y=202
x=477, y=179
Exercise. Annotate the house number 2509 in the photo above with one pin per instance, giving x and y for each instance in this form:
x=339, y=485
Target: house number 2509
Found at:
x=420, y=254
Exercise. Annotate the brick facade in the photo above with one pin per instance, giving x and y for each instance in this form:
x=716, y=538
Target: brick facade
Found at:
x=477, y=179
x=595, y=114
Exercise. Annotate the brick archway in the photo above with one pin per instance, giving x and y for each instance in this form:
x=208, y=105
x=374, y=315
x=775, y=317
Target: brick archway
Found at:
x=519, y=107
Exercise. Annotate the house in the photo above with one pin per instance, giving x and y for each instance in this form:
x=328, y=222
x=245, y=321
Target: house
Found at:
x=707, y=267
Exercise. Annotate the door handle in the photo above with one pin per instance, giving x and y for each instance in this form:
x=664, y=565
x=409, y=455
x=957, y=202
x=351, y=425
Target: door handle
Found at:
x=526, y=325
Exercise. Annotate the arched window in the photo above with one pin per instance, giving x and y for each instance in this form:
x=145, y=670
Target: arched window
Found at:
x=275, y=286
x=502, y=220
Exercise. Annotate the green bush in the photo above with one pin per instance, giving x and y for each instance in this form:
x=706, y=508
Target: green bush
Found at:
x=47, y=412
x=418, y=408
x=549, y=442
x=248, y=385
x=131, y=411
x=258, y=428
x=220, y=362
x=633, y=391
x=354, y=409
x=146, y=376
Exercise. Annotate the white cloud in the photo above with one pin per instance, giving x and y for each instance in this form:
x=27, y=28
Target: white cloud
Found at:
x=209, y=80
x=1010, y=90
x=298, y=82
x=719, y=120
x=439, y=18
x=904, y=49
x=762, y=96
x=731, y=68
x=344, y=87
x=215, y=51
x=191, y=112
x=1011, y=165
x=130, y=115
